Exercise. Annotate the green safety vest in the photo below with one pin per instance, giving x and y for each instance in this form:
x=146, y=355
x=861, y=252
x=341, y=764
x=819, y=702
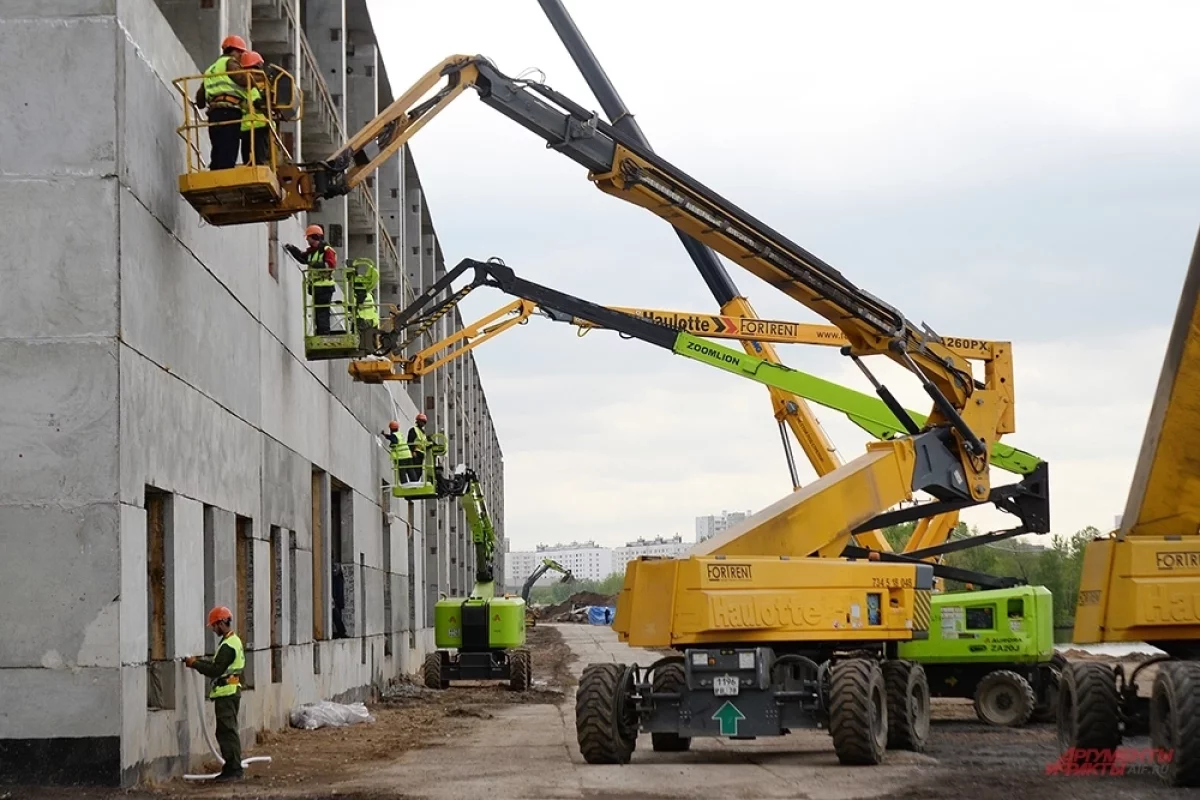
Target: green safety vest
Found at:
x=422, y=442
x=220, y=90
x=316, y=260
x=400, y=449
x=251, y=117
x=222, y=686
x=363, y=286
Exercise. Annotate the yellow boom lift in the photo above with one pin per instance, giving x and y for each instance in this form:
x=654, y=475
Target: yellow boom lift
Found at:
x=1141, y=583
x=769, y=639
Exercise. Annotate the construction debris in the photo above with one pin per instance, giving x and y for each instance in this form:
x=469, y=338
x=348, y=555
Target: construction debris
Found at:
x=574, y=608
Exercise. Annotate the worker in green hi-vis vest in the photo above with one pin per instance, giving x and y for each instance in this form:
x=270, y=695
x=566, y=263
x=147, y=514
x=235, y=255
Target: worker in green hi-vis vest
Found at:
x=225, y=669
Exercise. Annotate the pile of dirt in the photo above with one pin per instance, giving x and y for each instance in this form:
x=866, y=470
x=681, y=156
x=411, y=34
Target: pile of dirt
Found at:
x=577, y=600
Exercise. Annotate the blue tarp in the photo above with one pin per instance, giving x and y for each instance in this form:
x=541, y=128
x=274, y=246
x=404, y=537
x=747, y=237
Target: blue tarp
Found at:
x=601, y=615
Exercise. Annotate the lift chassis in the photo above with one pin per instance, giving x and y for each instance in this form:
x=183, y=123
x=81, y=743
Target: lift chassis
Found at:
x=867, y=701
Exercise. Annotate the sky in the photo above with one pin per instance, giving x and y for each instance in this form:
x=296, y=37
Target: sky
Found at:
x=1026, y=173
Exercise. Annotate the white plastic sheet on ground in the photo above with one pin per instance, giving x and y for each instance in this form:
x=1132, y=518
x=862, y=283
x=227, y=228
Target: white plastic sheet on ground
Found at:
x=328, y=714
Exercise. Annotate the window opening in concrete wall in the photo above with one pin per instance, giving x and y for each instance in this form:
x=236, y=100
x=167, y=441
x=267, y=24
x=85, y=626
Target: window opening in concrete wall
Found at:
x=275, y=579
x=340, y=520
x=293, y=592
x=244, y=614
x=362, y=606
x=387, y=577
x=318, y=557
x=160, y=669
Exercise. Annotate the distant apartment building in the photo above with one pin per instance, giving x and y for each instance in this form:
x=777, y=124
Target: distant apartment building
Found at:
x=586, y=560
x=658, y=546
x=707, y=527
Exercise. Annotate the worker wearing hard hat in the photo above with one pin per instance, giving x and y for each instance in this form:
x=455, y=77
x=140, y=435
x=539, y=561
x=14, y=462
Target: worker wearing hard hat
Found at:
x=402, y=456
x=418, y=442
x=366, y=279
x=321, y=257
x=225, y=669
x=256, y=127
x=224, y=98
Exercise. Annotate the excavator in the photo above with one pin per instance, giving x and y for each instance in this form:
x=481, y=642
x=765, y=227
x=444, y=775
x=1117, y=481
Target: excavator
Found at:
x=1141, y=583
x=547, y=565
x=761, y=627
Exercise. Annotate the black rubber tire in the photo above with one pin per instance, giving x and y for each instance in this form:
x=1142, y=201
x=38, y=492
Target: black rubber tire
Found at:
x=433, y=670
x=1089, y=710
x=1005, y=699
x=1058, y=662
x=1046, y=709
x=669, y=678
x=520, y=666
x=908, y=705
x=1175, y=721
x=858, y=718
x=602, y=737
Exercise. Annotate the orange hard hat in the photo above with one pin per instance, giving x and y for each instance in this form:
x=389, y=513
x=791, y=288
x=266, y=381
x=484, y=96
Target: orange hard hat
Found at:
x=251, y=59
x=422, y=418
x=393, y=425
x=218, y=614
x=234, y=41
x=314, y=230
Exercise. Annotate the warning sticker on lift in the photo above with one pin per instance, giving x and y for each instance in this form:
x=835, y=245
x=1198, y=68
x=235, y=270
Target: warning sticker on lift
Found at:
x=953, y=621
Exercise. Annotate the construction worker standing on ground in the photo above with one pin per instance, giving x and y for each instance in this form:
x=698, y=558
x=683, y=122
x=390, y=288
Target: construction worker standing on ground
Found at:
x=225, y=669
x=366, y=279
x=256, y=127
x=224, y=99
x=321, y=257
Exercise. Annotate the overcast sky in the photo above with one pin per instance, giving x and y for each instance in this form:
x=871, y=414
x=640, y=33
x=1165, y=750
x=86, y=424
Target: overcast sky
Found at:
x=1028, y=172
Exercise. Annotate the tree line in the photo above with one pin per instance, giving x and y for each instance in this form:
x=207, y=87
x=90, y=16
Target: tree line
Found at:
x=1056, y=565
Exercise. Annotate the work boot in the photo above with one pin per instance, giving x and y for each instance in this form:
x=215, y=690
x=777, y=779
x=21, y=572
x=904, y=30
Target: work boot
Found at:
x=232, y=775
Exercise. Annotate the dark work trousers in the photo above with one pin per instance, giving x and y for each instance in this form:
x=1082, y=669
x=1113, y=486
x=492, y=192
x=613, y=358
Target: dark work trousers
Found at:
x=228, y=738
x=224, y=138
x=258, y=140
x=414, y=471
x=322, y=297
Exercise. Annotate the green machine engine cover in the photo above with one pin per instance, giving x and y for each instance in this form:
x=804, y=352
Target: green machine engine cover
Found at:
x=1014, y=626
x=505, y=621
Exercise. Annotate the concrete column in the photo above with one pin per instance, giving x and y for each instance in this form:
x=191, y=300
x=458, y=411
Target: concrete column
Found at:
x=325, y=30
x=362, y=104
x=200, y=30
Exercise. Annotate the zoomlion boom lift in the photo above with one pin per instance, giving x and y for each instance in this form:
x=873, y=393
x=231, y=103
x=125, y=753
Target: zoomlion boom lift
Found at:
x=1141, y=583
x=486, y=633
x=769, y=642
x=746, y=629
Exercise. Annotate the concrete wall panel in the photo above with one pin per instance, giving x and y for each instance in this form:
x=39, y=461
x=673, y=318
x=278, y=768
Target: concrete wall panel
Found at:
x=178, y=440
x=286, y=490
x=66, y=286
x=186, y=594
x=135, y=638
x=90, y=696
x=58, y=411
x=295, y=409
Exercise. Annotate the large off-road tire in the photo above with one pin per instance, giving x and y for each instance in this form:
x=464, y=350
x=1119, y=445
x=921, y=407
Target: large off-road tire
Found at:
x=858, y=714
x=603, y=737
x=1046, y=709
x=1089, y=710
x=669, y=678
x=1175, y=721
x=907, y=705
x=433, y=670
x=520, y=670
x=1004, y=699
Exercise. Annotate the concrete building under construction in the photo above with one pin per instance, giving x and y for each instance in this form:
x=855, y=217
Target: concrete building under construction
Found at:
x=165, y=445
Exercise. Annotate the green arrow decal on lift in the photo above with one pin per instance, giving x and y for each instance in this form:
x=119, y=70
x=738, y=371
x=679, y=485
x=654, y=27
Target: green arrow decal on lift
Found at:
x=729, y=717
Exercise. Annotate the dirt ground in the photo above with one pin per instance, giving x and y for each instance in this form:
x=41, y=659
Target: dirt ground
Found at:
x=964, y=758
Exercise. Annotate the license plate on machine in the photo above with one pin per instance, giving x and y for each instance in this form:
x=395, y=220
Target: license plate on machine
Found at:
x=725, y=686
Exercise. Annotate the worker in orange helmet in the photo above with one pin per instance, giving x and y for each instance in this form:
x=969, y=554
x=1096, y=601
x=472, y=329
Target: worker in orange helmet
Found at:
x=224, y=98
x=225, y=669
x=319, y=256
x=255, y=129
x=418, y=443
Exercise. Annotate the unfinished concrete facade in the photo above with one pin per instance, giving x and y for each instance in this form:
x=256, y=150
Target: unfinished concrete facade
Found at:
x=164, y=444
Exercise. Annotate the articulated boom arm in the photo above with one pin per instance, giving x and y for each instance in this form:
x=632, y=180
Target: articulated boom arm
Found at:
x=976, y=413
x=483, y=537
x=547, y=565
x=820, y=519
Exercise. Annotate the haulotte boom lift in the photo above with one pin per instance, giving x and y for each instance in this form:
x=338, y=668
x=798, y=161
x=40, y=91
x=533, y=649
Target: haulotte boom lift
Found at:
x=768, y=624
x=1141, y=583
x=708, y=593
